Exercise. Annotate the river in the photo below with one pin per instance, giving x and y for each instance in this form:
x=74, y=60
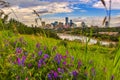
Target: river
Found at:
x=84, y=39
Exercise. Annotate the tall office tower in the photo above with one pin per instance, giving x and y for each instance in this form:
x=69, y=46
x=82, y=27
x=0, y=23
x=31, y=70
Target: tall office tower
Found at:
x=66, y=20
x=71, y=23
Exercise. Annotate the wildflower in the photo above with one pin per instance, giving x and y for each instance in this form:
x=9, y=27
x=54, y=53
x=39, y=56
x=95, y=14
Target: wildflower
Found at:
x=58, y=58
x=112, y=77
x=79, y=64
x=72, y=58
x=40, y=63
x=23, y=59
x=49, y=76
x=46, y=56
x=93, y=71
x=29, y=65
x=55, y=74
x=60, y=70
x=18, y=50
x=74, y=73
x=38, y=45
x=40, y=53
x=19, y=61
x=15, y=42
x=64, y=57
x=64, y=62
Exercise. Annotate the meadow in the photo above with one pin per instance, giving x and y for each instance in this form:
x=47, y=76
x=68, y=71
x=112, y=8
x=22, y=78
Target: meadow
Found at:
x=31, y=57
x=32, y=53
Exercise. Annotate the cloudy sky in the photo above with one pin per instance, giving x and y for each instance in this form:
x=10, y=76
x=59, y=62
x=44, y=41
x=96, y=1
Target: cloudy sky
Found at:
x=52, y=10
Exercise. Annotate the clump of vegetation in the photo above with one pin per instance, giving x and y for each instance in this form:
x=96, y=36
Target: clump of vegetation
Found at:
x=30, y=57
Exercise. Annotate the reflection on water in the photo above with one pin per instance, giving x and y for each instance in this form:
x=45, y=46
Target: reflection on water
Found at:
x=83, y=39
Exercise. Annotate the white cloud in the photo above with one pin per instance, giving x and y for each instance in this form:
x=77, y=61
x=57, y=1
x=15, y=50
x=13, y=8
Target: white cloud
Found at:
x=84, y=1
x=25, y=13
x=115, y=4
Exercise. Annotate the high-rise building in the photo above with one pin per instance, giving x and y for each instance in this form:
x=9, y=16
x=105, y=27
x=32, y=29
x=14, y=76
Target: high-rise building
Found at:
x=66, y=20
x=71, y=23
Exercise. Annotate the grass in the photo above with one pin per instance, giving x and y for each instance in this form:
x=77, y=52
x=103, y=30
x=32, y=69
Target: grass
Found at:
x=100, y=63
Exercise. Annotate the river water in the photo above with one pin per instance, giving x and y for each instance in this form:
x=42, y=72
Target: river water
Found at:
x=83, y=39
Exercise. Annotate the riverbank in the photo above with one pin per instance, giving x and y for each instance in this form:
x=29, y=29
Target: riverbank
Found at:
x=84, y=39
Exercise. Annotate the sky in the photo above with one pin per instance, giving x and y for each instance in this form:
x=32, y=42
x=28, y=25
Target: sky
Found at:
x=56, y=10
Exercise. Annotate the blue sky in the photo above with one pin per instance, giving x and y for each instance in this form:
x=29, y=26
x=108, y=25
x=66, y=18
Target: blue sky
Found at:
x=85, y=9
x=57, y=9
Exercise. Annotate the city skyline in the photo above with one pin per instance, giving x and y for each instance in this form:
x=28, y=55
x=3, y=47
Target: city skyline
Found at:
x=52, y=10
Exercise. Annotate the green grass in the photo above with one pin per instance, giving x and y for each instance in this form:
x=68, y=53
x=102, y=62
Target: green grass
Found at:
x=101, y=59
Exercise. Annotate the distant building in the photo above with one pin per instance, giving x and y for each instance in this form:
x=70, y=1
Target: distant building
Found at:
x=71, y=23
x=55, y=24
x=66, y=20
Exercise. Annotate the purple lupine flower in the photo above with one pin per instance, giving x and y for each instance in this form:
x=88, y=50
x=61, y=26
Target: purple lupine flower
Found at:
x=55, y=74
x=23, y=59
x=40, y=53
x=18, y=50
x=29, y=65
x=15, y=42
x=112, y=77
x=19, y=61
x=46, y=56
x=93, y=71
x=40, y=63
x=58, y=58
x=72, y=58
x=64, y=57
x=38, y=45
x=64, y=62
x=60, y=70
x=74, y=73
x=49, y=76
x=79, y=64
